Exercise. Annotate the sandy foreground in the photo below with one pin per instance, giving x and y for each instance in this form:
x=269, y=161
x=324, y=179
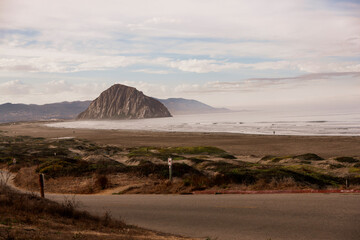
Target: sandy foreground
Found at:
x=238, y=144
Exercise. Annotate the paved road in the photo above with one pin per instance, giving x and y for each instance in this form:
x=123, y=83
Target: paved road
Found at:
x=256, y=216
x=275, y=216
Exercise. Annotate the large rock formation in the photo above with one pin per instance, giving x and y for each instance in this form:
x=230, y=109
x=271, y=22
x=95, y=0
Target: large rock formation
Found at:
x=123, y=102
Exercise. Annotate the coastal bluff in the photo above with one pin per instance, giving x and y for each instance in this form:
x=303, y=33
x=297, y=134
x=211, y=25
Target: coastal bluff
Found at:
x=124, y=102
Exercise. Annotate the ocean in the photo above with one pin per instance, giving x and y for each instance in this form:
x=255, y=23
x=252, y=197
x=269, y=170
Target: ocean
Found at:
x=247, y=122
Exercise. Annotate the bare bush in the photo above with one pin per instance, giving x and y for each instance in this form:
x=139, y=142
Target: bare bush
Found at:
x=4, y=177
x=102, y=181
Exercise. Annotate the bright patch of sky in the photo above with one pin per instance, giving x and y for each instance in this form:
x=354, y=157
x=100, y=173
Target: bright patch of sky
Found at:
x=232, y=53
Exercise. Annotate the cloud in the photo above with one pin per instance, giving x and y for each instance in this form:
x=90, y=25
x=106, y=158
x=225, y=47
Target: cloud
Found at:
x=14, y=87
x=197, y=66
x=301, y=34
x=212, y=65
x=194, y=42
x=150, y=89
x=313, y=76
x=152, y=71
x=57, y=62
x=48, y=92
x=258, y=84
x=59, y=86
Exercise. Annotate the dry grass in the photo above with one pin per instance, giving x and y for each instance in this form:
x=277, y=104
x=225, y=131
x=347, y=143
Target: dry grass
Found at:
x=28, y=179
x=286, y=183
x=26, y=216
x=80, y=166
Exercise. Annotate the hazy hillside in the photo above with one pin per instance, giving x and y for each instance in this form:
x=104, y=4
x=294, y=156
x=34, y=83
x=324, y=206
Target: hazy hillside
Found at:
x=22, y=112
x=178, y=106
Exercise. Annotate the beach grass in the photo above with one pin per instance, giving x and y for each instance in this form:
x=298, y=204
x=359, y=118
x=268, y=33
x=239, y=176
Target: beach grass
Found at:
x=197, y=167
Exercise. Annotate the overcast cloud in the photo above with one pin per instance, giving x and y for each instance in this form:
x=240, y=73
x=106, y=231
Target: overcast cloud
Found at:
x=224, y=53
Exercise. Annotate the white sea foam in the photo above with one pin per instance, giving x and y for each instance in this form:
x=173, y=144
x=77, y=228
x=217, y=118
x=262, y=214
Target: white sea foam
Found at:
x=236, y=122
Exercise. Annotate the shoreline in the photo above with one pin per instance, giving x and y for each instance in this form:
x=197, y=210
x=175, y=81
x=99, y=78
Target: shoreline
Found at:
x=248, y=128
x=43, y=124
x=235, y=143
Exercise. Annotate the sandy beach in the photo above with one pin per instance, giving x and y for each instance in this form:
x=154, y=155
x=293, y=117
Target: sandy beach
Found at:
x=238, y=144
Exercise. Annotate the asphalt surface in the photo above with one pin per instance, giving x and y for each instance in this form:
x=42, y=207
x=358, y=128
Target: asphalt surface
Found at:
x=238, y=216
x=256, y=216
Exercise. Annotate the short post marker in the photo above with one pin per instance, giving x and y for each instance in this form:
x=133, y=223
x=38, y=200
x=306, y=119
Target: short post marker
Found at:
x=170, y=168
x=41, y=182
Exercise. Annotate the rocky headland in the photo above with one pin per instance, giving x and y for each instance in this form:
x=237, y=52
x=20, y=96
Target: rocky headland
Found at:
x=123, y=102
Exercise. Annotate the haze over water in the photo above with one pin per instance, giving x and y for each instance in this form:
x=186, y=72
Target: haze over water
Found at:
x=247, y=122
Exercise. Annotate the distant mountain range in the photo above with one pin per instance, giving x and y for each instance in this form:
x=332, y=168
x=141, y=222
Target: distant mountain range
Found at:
x=22, y=112
x=70, y=110
x=181, y=106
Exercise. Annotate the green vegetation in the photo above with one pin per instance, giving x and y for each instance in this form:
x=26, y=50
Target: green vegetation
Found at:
x=304, y=157
x=196, y=160
x=346, y=160
x=222, y=166
x=354, y=170
x=334, y=166
x=309, y=156
x=193, y=150
x=301, y=175
x=55, y=167
x=274, y=159
x=227, y=156
x=176, y=153
x=278, y=159
x=199, y=167
x=146, y=168
x=357, y=165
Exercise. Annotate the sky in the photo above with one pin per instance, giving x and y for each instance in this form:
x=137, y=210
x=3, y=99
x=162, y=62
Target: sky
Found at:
x=236, y=53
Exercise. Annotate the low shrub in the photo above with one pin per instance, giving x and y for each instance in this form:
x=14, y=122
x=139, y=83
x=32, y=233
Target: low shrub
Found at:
x=196, y=182
x=220, y=166
x=357, y=165
x=354, y=170
x=274, y=158
x=101, y=181
x=193, y=150
x=335, y=166
x=54, y=167
x=197, y=160
x=145, y=168
x=227, y=156
x=309, y=156
x=267, y=157
x=249, y=176
x=346, y=160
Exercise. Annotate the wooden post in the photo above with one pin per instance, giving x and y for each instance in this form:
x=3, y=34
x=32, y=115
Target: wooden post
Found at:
x=170, y=168
x=170, y=174
x=41, y=182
